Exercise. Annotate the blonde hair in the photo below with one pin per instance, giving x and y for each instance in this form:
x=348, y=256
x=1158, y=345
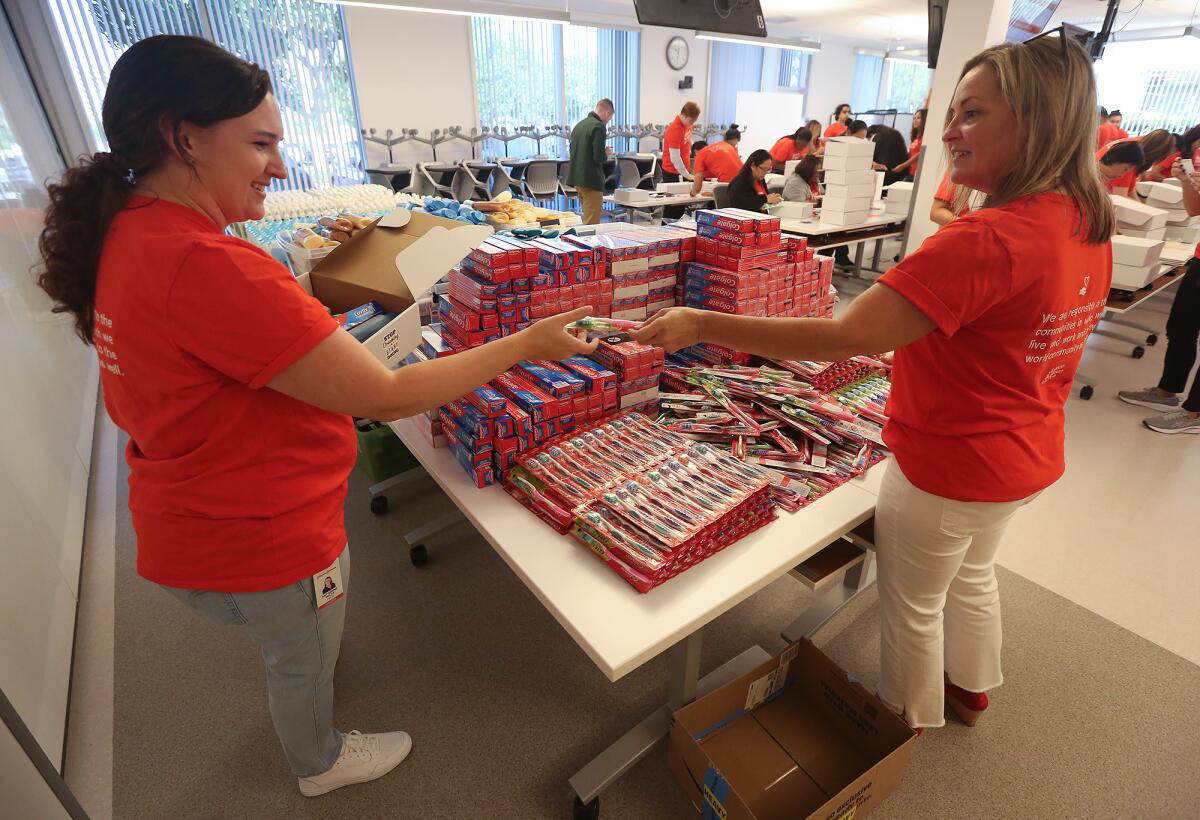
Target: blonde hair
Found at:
x=1049, y=84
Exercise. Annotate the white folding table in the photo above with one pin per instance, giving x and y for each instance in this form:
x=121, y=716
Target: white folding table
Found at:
x=824, y=236
x=620, y=629
x=659, y=201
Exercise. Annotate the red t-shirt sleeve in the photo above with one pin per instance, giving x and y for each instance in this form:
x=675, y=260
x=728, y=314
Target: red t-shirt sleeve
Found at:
x=783, y=149
x=957, y=274
x=242, y=313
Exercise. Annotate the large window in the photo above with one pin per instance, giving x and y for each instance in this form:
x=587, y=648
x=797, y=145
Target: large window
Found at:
x=793, y=69
x=735, y=67
x=864, y=90
x=301, y=43
x=905, y=85
x=1155, y=84
x=531, y=74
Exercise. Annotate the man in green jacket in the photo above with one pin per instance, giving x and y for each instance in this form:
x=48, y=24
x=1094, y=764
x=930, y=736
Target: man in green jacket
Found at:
x=588, y=154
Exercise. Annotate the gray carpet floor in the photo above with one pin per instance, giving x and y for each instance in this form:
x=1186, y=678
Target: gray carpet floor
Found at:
x=1093, y=721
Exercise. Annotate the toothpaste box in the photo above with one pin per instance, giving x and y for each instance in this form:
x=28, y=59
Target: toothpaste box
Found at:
x=464, y=282
x=554, y=380
x=433, y=345
x=471, y=419
x=489, y=400
x=596, y=377
x=477, y=447
x=482, y=474
x=527, y=396
x=522, y=421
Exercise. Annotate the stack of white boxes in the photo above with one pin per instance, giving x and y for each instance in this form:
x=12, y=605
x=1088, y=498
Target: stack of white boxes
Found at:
x=898, y=199
x=1136, y=261
x=1136, y=219
x=1169, y=197
x=849, y=181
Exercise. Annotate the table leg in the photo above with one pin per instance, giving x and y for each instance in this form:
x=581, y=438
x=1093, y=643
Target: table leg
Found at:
x=878, y=253
x=686, y=685
x=858, y=259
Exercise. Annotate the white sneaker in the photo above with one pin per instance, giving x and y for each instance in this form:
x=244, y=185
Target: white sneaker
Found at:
x=363, y=758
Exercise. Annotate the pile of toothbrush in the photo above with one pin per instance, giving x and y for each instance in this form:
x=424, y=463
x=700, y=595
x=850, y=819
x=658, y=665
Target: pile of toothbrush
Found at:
x=649, y=502
x=774, y=416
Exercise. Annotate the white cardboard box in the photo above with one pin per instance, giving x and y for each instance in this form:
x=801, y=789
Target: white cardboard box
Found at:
x=1184, y=234
x=899, y=191
x=1136, y=215
x=830, y=216
x=896, y=208
x=848, y=147
x=837, y=201
x=860, y=177
x=856, y=191
x=1159, y=195
x=1133, y=277
x=1135, y=251
x=792, y=210
x=847, y=163
x=632, y=196
x=675, y=187
x=1154, y=233
x=1182, y=219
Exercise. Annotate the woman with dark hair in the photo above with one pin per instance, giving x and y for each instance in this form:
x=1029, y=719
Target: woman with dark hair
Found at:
x=890, y=154
x=841, y=116
x=857, y=129
x=748, y=190
x=1183, y=149
x=802, y=185
x=235, y=386
x=976, y=420
x=791, y=147
x=1119, y=164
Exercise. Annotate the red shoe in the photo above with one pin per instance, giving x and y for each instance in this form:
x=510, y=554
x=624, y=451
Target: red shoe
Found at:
x=969, y=706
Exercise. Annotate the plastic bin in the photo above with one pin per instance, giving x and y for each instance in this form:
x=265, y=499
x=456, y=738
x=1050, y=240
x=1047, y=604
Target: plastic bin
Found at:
x=302, y=259
x=380, y=453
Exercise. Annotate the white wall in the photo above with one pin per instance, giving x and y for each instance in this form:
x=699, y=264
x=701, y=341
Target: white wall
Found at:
x=412, y=70
x=830, y=77
x=658, y=88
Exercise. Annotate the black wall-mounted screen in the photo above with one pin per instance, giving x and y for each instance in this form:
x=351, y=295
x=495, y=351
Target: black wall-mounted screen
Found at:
x=743, y=17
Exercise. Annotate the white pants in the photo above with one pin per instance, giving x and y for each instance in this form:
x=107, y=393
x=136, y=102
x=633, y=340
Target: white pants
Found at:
x=938, y=599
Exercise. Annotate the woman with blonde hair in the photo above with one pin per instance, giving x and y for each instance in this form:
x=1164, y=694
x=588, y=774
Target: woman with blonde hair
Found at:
x=988, y=319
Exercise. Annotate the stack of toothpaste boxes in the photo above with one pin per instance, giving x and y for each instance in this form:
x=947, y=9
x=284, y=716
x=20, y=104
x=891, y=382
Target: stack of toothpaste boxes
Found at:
x=505, y=284
x=744, y=266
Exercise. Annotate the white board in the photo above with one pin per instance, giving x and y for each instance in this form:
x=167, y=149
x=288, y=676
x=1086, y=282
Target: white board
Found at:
x=767, y=116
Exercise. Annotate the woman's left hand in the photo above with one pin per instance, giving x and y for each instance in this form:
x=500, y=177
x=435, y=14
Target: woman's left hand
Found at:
x=672, y=329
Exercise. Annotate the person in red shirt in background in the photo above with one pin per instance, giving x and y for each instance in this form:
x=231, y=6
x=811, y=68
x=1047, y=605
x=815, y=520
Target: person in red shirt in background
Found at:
x=951, y=201
x=914, y=146
x=676, y=151
x=1119, y=163
x=1186, y=147
x=791, y=147
x=988, y=319
x=1183, y=331
x=719, y=160
x=1114, y=119
x=235, y=386
x=817, y=146
x=1106, y=132
x=841, y=117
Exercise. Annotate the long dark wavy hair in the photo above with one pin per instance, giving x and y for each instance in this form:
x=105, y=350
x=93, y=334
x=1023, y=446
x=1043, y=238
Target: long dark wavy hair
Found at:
x=156, y=85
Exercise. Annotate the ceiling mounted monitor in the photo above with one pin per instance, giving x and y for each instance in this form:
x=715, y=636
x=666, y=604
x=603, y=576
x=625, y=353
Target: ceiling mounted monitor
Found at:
x=743, y=17
x=1029, y=18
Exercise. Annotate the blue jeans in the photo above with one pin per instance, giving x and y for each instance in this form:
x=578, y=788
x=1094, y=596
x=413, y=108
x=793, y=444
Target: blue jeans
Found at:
x=299, y=646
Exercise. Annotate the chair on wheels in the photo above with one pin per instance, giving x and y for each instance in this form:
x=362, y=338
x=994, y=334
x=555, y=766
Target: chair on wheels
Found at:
x=541, y=179
x=629, y=175
x=565, y=188
x=721, y=195
x=467, y=184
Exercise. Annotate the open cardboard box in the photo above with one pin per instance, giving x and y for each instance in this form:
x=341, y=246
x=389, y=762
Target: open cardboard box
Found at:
x=797, y=737
x=392, y=262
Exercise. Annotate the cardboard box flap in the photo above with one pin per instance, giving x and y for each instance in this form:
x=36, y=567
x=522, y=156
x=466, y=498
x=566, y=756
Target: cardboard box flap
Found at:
x=393, y=260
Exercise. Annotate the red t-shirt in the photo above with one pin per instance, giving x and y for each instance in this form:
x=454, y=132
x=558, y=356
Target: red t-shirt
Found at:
x=760, y=187
x=1107, y=132
x=678, y=136
x=836, y=130
x=913, y=150
x=1127, y=180
x=1164, y=167
x=785, y=150
x=233, y=486
x=976, y=407
x=947, y=191
x=718, y=160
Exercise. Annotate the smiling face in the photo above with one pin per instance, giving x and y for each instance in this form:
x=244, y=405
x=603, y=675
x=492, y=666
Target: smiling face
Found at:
x=981, y=135
x=235, y=160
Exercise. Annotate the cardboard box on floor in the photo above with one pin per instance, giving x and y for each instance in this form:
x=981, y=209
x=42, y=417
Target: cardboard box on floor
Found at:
x=392, y=262
x=795, y=738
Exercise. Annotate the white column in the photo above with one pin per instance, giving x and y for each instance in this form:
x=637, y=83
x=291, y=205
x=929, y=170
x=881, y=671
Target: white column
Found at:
x=970, y=28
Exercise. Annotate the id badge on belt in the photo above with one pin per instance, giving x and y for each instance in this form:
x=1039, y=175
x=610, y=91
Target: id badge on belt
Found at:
x=327, y=584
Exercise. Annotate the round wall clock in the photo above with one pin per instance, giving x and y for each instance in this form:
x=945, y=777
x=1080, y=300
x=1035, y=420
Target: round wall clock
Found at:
x=677, y=53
